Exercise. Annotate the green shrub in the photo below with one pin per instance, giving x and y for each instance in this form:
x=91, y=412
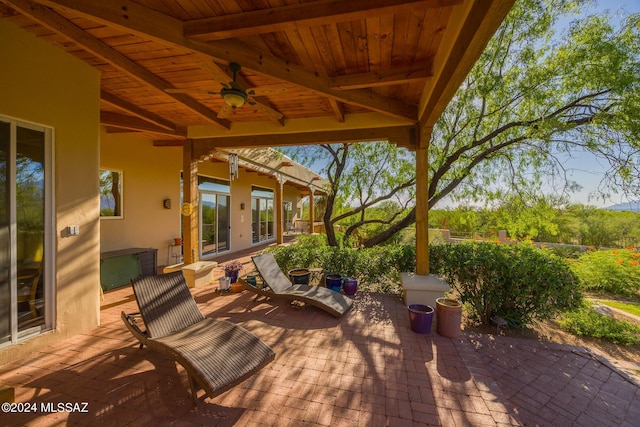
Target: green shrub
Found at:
x=566, y=251
x=377, y=269
x=518, y=282
x=614, y=271
x=586, y=322
x=303, y=254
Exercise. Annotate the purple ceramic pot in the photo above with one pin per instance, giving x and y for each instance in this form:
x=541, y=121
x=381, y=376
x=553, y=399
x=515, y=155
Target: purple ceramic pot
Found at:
x=349, y=286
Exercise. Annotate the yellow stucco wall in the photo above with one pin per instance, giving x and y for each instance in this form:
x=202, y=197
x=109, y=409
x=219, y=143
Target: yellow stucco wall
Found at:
x=150, y=175
x=41, y=84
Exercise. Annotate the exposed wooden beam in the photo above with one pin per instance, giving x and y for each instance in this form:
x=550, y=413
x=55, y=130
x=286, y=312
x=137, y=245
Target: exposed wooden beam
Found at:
x=134, y=124
x=470, y=37
x=134, y=110
x=403, y=136
x=62, y=26
x=148, y=23
x=295, y=16
x=383, y=78
x=422, y=201
x=338, y=110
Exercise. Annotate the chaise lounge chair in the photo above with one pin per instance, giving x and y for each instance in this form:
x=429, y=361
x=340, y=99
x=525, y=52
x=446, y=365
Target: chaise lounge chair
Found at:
x=216, y=354
x=279, y=286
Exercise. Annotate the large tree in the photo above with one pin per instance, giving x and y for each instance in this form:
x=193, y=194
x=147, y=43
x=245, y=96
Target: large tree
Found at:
x=535, y=98
x=362, y=177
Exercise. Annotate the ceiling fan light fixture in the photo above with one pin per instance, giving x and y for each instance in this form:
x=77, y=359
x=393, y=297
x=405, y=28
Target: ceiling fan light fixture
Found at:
x=233, y=98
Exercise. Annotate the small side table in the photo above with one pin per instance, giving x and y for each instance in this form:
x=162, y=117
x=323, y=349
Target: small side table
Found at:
x=175, y=252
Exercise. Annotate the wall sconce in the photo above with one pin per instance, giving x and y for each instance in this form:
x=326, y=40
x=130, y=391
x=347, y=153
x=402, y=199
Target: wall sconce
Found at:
x=242, y=206
x=166, y=203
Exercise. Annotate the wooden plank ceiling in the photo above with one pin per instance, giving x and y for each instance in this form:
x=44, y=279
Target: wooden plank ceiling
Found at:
x=330, y=62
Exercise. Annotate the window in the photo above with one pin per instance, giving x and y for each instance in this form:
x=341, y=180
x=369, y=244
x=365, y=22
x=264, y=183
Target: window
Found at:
x=110, y=193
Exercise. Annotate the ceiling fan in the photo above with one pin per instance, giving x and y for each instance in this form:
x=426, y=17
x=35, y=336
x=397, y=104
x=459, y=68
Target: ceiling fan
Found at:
x=233, y=94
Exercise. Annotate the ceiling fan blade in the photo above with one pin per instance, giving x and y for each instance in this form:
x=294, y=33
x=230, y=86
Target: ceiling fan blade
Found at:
x=220, y=74
x=192, y=91
x=225, y=111
x=277, y=89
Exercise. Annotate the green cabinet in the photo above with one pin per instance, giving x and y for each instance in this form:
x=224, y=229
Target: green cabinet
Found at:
x=117, y=268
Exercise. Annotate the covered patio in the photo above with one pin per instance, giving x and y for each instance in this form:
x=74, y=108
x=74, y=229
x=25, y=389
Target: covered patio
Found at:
x=210, y=76
x=367, y=368
x=153, y=72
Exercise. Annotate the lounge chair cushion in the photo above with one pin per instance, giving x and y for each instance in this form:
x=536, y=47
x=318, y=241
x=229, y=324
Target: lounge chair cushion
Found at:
x=221, y=353
x=271, y=272
x=330, y=301
x=166, y=307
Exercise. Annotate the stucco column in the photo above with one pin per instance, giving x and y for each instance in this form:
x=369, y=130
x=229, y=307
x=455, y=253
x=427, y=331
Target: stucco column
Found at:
x=311, y=208
x=189, y=207
x=279, y=210
x=422, y=202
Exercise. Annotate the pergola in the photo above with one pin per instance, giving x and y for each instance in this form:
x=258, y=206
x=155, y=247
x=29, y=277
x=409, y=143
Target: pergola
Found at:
x=317, y=71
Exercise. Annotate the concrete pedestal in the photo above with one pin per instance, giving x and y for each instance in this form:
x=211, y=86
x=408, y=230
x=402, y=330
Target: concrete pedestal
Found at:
x=196, y=274
x=422, y=289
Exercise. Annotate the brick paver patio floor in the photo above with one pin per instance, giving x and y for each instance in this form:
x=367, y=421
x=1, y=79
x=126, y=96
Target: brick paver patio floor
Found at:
x=365, y=369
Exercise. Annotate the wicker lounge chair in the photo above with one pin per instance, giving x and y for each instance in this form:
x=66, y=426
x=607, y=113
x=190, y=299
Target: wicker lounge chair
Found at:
x=279, y=286
x=216, y=354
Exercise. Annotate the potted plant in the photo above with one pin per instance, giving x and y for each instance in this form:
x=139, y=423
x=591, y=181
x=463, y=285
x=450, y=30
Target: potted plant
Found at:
x=231, y=270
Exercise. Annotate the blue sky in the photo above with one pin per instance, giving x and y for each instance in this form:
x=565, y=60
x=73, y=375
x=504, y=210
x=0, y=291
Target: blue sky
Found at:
x=584, y=168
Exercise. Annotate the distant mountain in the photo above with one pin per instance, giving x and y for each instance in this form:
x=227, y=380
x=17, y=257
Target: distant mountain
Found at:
x=633, y=206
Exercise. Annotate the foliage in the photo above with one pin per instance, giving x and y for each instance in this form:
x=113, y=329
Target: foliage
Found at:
x=370, y=185
x=628, y=307
x=545, y=219
x=615, y=271
x=568, y=252
x=530, y=102
x=376, y=269
x=110, y=193
x=586, y=322
x=517, y=281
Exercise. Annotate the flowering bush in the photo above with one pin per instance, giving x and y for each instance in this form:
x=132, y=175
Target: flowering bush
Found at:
x=615, y=271
x=518, y=282
x=232, y=266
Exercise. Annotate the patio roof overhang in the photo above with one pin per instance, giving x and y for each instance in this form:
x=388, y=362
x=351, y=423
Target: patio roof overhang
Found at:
x=320, y=71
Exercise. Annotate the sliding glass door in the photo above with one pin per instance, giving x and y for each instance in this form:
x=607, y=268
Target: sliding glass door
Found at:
x=214, y=223
x=262, y=216
x=25, y=179
x=214, y=195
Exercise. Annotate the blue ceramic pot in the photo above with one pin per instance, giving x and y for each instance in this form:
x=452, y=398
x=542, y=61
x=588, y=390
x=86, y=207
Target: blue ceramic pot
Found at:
x=333, y=282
